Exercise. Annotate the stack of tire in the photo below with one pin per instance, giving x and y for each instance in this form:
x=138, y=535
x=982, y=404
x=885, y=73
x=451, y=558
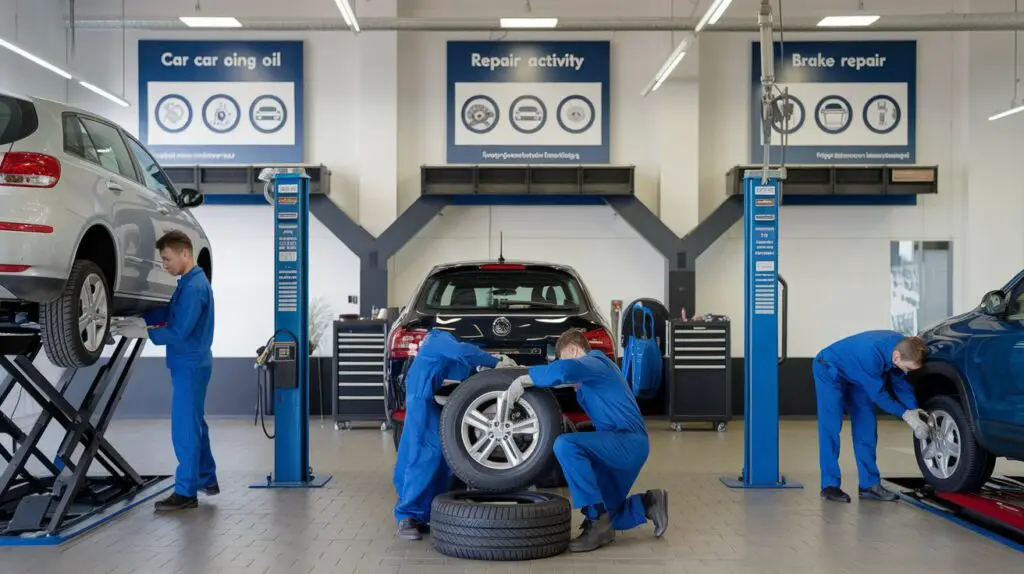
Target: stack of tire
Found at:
x=497, y=519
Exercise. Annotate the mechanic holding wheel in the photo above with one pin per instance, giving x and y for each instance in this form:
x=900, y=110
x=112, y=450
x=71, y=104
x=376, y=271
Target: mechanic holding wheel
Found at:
x=857, y=373
x=421, y=472
x=599, y=466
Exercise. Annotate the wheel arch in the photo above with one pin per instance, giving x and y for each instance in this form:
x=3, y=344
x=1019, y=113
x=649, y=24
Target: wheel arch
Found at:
x=943, y=379
x=205, y=262
x=97, y=244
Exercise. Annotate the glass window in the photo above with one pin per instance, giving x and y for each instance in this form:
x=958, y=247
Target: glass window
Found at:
x=922, y=284
x=113, y=155
x=481, y=289
x=18, y=119
x=76, y=141
x=154, y=177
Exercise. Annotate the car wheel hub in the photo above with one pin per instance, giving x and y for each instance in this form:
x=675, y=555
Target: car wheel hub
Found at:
x=941, y=450
x=92, y=319
x=497, y=440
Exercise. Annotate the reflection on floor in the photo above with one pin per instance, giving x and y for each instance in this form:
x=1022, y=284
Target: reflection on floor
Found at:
x=347, y=527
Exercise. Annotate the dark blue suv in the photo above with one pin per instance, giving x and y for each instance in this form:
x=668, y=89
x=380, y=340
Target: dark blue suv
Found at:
x=973, y=382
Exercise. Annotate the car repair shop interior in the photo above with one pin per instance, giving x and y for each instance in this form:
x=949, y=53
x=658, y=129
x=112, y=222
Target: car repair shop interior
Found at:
x=772, y=221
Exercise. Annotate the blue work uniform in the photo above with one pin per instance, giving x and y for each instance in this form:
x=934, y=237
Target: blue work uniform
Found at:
x=421, y=473
x=187, y=331
x=601, y=466
x=857, y=373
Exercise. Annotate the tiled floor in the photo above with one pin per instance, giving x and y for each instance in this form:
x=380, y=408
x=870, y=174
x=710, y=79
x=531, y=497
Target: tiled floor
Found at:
x=347, y=527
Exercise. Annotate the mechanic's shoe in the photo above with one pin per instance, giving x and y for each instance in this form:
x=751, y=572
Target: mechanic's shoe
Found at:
x=834, y=494
x=409, y=529
x=656, y=510
x=212, y=489
x=878, y=492
x=596, y=533
x=176, y=502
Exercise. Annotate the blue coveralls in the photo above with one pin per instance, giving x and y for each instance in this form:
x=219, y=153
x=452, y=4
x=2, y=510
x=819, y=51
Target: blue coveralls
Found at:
x=601, y=466
x=188, y=335
x=421, y=473
x=857, y=373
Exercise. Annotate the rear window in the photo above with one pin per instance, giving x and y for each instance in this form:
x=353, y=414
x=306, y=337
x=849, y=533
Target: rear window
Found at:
x=18, y=119
x=484, y=290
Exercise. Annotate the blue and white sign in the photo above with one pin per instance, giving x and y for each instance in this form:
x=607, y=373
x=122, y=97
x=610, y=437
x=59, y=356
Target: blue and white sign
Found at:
x=209, y=102
x=848, y=103
x=528, y=102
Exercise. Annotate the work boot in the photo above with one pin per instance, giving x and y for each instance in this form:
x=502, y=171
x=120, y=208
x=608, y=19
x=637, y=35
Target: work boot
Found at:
x=656, y=510
x=410, y=529
x=176, y=502
x=878, y=492
x=212, y=489
x=834, y=494
x=596, y=533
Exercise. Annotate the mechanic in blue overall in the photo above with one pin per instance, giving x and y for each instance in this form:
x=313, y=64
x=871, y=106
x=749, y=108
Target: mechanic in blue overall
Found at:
x=855, y=374
x=600, y=466
x=421, y=472
x=185, y=326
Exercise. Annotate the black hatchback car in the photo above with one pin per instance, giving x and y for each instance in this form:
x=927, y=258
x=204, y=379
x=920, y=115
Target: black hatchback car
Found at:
x=513, y=308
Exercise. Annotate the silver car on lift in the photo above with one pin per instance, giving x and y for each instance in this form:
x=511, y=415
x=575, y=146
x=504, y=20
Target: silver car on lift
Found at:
x=82, y=204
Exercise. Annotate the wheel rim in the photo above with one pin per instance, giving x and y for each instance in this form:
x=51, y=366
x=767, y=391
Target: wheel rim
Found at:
x=941, y=451
x=495, y=442
x=92, y=319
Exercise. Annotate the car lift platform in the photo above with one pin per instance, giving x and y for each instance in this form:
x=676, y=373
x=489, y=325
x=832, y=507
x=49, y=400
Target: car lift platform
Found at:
x=48, y=500
x=995, y=511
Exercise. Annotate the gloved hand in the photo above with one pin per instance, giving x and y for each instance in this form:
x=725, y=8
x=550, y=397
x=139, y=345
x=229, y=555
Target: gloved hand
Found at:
x=129, y=327
x=915, y=418
x=517, y=388
x=504, y=362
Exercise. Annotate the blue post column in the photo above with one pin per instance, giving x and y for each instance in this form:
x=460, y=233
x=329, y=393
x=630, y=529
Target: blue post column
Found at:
x=761, y=334
x=291, y=339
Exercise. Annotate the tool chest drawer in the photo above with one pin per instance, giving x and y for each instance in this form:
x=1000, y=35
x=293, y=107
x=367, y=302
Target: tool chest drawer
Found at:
x=700, y=372
x=360, y=355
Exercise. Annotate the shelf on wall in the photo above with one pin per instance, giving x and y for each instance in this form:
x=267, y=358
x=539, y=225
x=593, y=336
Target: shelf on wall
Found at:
x=240, y=180
x=597, y=180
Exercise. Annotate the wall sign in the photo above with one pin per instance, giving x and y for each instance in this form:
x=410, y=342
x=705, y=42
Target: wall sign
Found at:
x=849, y=102
x=214, y=102
x=528, y=102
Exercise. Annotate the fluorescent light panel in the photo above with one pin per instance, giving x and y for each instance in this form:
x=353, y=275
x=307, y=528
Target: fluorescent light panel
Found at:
x=1008, y=112
x=529, y=22
x=105, y=94
x=210, y=22
x=847, y=21
x=713, y=15
x=346, y=12
x=35, y=59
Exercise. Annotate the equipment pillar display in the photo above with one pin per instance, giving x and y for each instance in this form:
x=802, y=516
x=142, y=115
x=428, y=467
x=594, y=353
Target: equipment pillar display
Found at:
x=290, y=346
x=762, y=195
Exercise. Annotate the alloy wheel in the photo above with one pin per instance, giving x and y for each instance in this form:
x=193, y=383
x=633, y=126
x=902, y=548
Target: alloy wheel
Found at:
x=92, y=318
x=941, y=451
x=497, y=440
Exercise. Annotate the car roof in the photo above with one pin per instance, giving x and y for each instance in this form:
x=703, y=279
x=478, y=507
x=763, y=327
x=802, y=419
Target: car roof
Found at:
x=53, y=104
x=468, y=264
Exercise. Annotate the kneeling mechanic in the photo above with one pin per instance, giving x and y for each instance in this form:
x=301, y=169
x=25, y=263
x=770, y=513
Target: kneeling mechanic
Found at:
x=599, y=466
x=421, y=473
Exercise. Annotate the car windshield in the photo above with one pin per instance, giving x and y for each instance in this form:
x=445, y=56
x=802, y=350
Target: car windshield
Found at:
x=18, y=119
x=471, y=289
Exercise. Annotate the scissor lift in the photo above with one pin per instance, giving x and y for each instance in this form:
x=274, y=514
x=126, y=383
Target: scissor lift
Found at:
x=47, y=501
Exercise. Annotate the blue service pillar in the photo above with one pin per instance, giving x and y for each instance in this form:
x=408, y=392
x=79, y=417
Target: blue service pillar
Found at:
x=290, y=356
x=761, y=333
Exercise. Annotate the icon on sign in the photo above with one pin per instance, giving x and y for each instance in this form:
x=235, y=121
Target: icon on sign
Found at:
x=882, y=114
x=268, y=114
x=480, y=114
x=528, y=114
x=173, y=113
x=833, y=114
x=221, y=113
x=787, y=114
x=575, y=114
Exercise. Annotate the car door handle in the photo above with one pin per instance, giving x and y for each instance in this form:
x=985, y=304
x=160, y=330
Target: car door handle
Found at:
x=163, y=209
x=114, y=186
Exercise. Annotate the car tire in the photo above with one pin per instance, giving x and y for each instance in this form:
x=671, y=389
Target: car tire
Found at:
x=485, y=526
x=66, y=343
x=966, y=472
x=495, y=473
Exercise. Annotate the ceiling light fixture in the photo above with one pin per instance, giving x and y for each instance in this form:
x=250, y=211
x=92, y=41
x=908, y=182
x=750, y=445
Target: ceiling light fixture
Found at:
x=1016, y=105
x=105, y=94
x=847, y=21
x=35, y=59
x=348, y=14
x=1008, y=112
x=529, y=22
x=210, y=22
x=668, y=67
x=713, y=15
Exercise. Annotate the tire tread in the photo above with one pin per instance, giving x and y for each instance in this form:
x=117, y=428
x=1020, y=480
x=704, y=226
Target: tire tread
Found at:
x=58, y=321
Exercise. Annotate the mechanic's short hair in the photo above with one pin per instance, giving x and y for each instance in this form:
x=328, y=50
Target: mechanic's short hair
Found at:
x=912, y=349
x=571, y=337
x=175, y=240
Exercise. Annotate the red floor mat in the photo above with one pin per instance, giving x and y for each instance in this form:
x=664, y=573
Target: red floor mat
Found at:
x=1005, y=509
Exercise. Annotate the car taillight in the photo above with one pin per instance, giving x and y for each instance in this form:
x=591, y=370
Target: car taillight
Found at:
x=25, y=227
x=14, y=268
x=405, y=342
x=503, y=267
x=22, y=169
x=601, y=340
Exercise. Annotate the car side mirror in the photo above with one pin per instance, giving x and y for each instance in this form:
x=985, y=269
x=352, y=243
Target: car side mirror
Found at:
x=190, y=198
x=994, y=303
